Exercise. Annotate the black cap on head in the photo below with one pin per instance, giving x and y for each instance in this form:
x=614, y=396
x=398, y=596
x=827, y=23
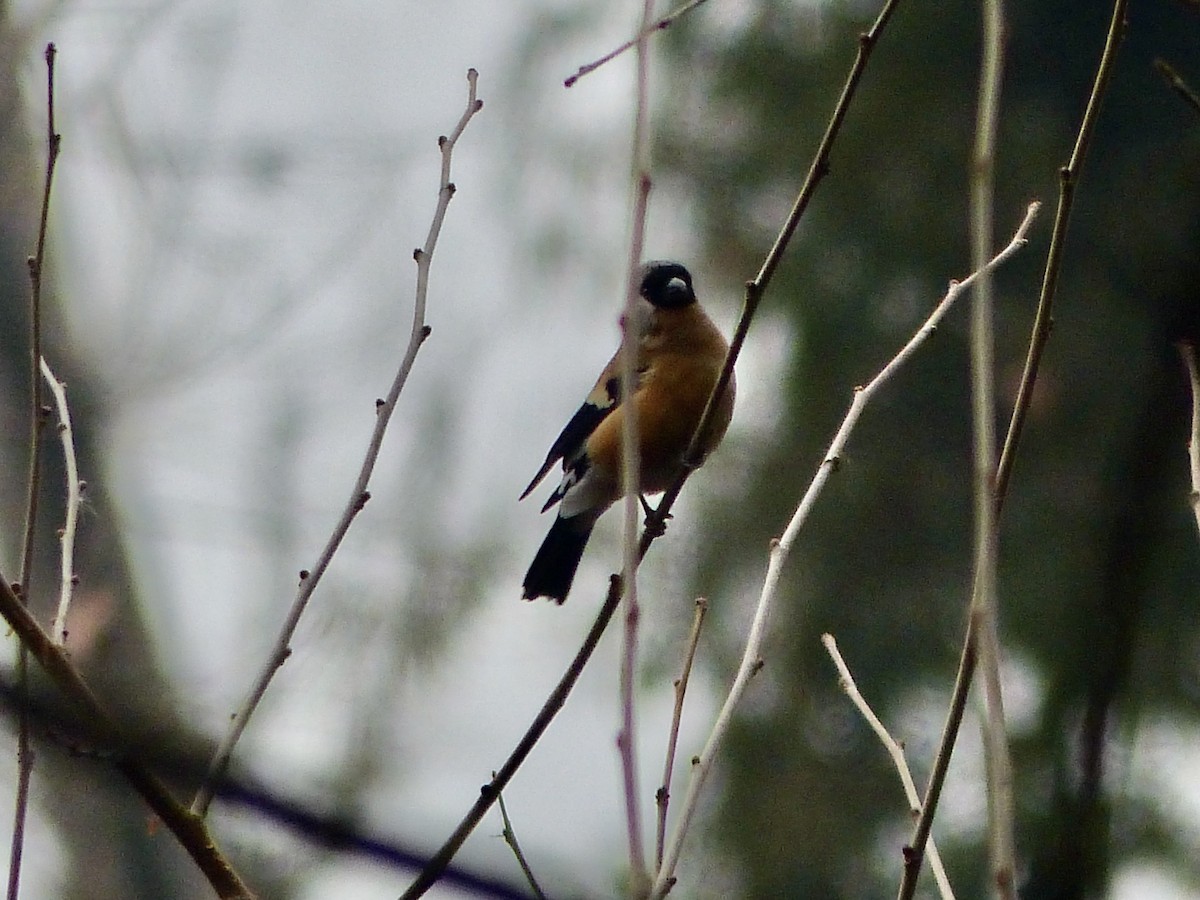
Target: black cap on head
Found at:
x=667, y=284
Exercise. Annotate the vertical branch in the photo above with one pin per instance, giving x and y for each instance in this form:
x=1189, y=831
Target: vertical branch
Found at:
x=1068, y=178
x=984, y=603
x=631, y=456
x=359, y=495
x=75, y=489
x=663, y=796
x=37, y=418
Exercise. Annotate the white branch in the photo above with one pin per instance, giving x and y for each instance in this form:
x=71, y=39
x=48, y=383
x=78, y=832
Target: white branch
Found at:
x=751, y=661
x=985, y=603
x=895, y=751
x=74, y=499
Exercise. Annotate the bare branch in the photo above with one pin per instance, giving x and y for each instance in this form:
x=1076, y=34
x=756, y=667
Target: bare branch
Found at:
x=510, y=838
x=756, y=288
x=359, y=495
x=37, y=419
x=74, y=499
x=647, y=31
x=490, y=791
x=663, y=797
x=895, y=751
x=188, y=828
x=630, y=461
x=985, y=604
x=780, y=549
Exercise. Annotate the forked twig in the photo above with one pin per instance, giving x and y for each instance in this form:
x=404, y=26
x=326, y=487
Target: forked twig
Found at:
x=358, y=494
x=510, y=838
x=895, y=751
x=489, y=792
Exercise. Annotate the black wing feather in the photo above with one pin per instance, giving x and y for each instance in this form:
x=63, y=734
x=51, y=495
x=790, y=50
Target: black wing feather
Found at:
x=582, y=424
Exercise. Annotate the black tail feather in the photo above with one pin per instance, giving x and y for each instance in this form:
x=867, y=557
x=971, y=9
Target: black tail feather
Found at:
x=553, y=569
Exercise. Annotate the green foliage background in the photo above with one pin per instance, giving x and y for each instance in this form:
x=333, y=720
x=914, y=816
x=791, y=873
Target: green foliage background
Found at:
x=1099, y=551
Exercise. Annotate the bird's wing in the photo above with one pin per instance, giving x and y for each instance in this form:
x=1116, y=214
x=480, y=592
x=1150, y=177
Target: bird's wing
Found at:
x=605, y=396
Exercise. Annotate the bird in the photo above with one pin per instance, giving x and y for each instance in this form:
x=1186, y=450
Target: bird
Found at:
x=680, y=355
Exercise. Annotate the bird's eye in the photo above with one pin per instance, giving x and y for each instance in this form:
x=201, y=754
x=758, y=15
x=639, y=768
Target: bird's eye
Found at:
x=676, y=284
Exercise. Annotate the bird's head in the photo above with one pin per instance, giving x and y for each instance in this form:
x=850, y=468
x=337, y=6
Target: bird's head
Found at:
x=667, y=285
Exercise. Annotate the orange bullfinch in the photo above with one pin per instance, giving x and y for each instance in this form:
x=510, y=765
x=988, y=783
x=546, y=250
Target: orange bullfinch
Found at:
x=679, y=357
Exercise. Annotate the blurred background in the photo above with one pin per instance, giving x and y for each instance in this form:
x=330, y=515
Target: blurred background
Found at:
x=230, y=289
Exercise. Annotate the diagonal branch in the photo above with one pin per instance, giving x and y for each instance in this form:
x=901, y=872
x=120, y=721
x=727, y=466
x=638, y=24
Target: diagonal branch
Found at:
x=894, y=749
x=359, y=495
x=188, y=828
x=648, y=29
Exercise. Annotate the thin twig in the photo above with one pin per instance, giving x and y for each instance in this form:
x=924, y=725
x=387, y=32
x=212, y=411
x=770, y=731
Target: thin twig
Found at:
x=1177, y=84
x=780, y=549
x=74, y=499
x=663, y=797
x=510, y=838
x=188, y=828
x=895, y=751
x=630, y=459
x=37, y=420
x=1188, y=351
x=1068, y=178
x=656, y=522
x=647, y=30
x=985, y=604
x=490, y=791
x=359, y=495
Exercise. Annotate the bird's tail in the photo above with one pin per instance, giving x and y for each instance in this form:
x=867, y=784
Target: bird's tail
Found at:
x=553, y=569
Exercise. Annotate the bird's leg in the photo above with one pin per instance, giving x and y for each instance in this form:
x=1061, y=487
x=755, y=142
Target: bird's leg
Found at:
x=654, y=526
